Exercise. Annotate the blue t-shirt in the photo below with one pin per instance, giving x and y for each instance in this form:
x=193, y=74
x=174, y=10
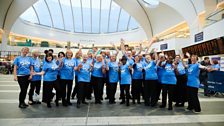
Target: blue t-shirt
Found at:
x=130, y=61
x=23, y=65
x=137, y=74
x=125, y=74
x=51, y=71
x=150, y=70
x=67, y=70
x=84, y=73
x=160, y=71
x=168, y=76
x=216, y=66
x=193, y=75
x=36, y=68
x=77, y=62
x=97, y=69
x=89, y=60
x=181, y=69
x=113, y=72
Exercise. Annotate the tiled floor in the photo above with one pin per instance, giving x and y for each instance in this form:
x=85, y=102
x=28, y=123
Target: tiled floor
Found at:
x=135, y=115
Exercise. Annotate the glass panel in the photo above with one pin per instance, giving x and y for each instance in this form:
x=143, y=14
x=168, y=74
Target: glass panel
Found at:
x=86, y=15
x=43, y=13
x=115, y=9
x=29, y=15
x=95, y=16
x=67, y=12
x=55, y=13
x=105, y=5
x=77, y=15
x=123, y=22
x=133, y=24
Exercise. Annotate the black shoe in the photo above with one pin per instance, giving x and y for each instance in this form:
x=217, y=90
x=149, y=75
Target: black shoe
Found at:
x=162, y=106
x=38, y=102
x=89, y=98
x=170, y=108
x=69, y=103
x=123, y=102
x=127, y=103
x=84, y=102
x=78, y=105
x=56, y=103
x=49, y=105
x=106, y=98
x=22, y=106
x=133, y=101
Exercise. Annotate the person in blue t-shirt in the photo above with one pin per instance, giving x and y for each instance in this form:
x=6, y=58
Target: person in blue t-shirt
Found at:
x=67, y=77
x=112, y=68
x=151, y=79
x=137, y=77
x=181, y=87
x=168, y=81
x=90, y=60
x=23, y=73
x=125, y=79
x=36, y=79
x=214, y=67
x=193, y=84
x=97, y=78
x=83, y=69
x=78, y=59
x=50, y=73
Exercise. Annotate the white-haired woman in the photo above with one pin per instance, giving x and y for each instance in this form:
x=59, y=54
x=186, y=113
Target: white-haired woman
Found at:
x=36, y=79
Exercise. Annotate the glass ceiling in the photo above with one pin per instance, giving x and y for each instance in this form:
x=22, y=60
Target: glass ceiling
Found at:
x=84, y=16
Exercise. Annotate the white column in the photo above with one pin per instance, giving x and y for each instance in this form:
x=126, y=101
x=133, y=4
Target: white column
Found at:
x=4, y=41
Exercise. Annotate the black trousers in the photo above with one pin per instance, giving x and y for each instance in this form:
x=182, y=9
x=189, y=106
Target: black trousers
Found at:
x=89, y=89
x=82, y=89
x=158, y=90
x=126, y=88
x=193, y=101
x=35, y=85
x=150, y=91
x=112, y=88
x=136, y=89
x=75, y=90
x=23, y=84
x=47, y=90
x=181, y=89
x=97, y=87
x=168, y=88
x=66, y=89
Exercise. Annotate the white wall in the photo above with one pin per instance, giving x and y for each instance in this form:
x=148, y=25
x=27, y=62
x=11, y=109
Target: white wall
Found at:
x=173, y=44
x=213, y=31
x=25, y=28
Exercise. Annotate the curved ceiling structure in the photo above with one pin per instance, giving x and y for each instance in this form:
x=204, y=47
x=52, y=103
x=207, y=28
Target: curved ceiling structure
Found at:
x=82, y=16
x=149, y=19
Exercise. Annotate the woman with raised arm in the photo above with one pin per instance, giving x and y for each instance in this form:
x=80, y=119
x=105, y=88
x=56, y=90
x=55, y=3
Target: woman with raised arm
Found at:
x=137, y=77
x=112, y=67
x=193, y=83
x=151, y=79
x=168, y=81
x=23, y=74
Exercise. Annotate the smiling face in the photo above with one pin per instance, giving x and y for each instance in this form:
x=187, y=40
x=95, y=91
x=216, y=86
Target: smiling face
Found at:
x=194, y=58
x=49, y=58
x=99, y=58
x=136, y=59
x=25, y=51
x=85, y=57
x=69, y=54
x=113, y=58
x=148, y=57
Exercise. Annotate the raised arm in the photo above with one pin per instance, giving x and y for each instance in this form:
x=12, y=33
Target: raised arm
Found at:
x=153, y=40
